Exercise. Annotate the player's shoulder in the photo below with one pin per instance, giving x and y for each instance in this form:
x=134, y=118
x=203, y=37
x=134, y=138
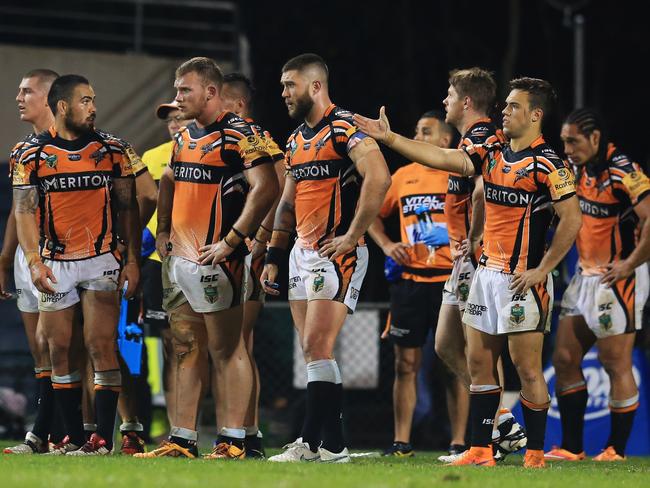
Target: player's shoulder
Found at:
x=547, y=158
x=236, y=125
x=481, y=132
x=114, y=143
x=619, y=163
x=341, y=118
x=26, y=149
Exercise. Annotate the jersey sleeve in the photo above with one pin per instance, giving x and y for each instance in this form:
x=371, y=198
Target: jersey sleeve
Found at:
x=243, y=144
x=274, y=150
x=137, y=164
x=556, y=175
x=479, y=154
x=346, y=134
x=23, y=172
x=631, y=179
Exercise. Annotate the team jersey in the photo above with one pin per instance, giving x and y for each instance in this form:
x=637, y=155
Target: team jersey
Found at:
x=412, y=187
x=327, y=182
x=14, y=156
x=74, y=180
x=458, y=201
x=276, y=153
x=209, y=184
x=608, y=193
x=519, y=190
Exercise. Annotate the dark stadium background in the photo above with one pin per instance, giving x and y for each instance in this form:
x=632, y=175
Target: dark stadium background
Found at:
x=393, y=53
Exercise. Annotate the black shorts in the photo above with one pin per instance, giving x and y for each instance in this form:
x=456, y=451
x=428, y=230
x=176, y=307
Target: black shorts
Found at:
x=154, y=315
x=414, y=308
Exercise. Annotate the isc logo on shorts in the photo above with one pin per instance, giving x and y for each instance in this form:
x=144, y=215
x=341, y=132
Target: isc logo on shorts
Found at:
x=475, y=309
x=209, y=278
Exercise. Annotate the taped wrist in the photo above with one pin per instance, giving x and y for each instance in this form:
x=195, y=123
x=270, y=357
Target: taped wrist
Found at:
x=276, y=256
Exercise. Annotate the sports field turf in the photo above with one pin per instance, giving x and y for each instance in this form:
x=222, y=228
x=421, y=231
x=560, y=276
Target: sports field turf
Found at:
x=423, y=470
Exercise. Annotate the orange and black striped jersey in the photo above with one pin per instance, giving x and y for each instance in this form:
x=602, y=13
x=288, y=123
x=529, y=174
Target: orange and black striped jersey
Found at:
x=519, y=190
x=327, y=182
x=14, y=156
x=412, y=187
x=458, y=202
x=74, y=179
x=608, y=192
x=209, y=184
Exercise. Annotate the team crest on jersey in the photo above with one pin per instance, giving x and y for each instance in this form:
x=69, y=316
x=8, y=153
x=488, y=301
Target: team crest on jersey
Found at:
x=319, y=283
x=517, y=314
x=491, y=165
x=211, y=293
x=207, y=148
x=293, y=147
x=98, y=155
x=51, y=160
x=520, y=174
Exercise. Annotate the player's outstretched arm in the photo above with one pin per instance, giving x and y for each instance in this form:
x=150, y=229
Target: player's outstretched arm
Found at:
x=568, y=211
x=128, y=215
x=372, y=167
x=453, y=160
x=26, y=203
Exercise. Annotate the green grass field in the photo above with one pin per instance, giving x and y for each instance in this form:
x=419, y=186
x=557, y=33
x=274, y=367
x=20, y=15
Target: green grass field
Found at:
x=423, y=470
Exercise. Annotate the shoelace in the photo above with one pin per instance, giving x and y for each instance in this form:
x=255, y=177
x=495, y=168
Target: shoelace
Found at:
x=61, y=445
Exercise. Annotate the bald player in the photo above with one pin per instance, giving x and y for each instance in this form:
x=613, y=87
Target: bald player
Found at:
x=335, y=185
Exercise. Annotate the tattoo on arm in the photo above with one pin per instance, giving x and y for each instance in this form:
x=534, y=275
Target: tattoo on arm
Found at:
x=285, y=216
x=26, y=199
x=124, y=194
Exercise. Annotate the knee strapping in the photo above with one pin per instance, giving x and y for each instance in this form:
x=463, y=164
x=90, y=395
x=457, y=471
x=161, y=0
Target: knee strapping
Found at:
x=71, y=380
x=538, y=407
x=622, y=406
x=324, y=370
x=575, y=387
x=108, y=380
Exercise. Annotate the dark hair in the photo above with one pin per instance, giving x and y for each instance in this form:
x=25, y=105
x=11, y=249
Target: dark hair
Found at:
x=62, y=89
x=540, y=93
x=476, y=83
x=587, y=120
x=243, y=83
x=206, y=68
x=303, y=61
x=44, y=75
x=439, y=115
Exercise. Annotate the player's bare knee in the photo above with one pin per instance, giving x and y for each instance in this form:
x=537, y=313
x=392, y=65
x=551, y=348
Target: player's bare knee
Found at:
x=529, y=373
x=615, y=365
x=564, y=361
x=406, y=363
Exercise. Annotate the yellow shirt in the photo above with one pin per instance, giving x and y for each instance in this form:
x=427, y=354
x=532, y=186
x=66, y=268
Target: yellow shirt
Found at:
x=157, y=160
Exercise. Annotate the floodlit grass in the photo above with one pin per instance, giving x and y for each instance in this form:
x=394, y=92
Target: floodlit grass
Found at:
x=423, y=470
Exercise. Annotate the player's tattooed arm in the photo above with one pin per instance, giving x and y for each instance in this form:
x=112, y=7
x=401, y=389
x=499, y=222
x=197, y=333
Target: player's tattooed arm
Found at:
x=128, y=216
x=26, y=203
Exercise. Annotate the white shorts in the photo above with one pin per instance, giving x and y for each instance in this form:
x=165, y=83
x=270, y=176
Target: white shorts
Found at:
x=314, y=278
x=457, y=286
x=100, y=273
x=25, y=290
x=205, y=288
x=608, y=311
x=252, y=285
x=494, y=309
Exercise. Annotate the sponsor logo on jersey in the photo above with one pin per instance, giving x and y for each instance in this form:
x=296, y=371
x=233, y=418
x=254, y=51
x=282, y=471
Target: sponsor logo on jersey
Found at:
x=597, y=209
x=458, y=185
x=71, y=182
x=562, y=183
x=316, y=170
x=503, y=195
x=435, y=203
x=636, y=183
x=74, y=157
x=50, y=161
